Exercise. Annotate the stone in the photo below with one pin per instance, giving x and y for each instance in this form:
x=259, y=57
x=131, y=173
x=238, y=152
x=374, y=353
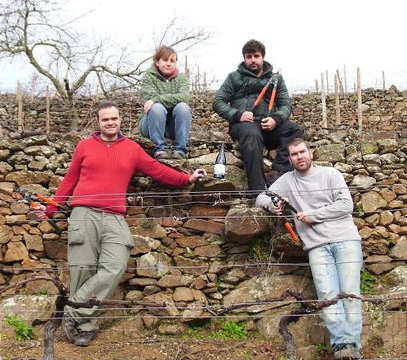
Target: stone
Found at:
x=183, y=294
x=330, y=152
x=399, y=251
x=172, y=281
x=387, y=145
x=386, y=218
x=205, y=226
x=150, y=228
x=32, y=306
x=378, y=264
x=208, y=211
x=6, y=234
x=144, y=244
x=16, y=251
x=209, y=251
x=191, y=241
x=190, y=266
x=363, y=182
x=396, y=279
x=153, y=265
x=371, y=201
x=33, y=242
x=242, y=224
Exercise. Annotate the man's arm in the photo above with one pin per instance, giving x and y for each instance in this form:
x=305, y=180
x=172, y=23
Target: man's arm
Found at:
x=341, y=201
x=221, y=103
x=68, y=183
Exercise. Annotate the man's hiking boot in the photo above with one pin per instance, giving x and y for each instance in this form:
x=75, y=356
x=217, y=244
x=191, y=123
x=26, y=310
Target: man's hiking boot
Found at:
x=69, y=326
x=346, y=352
x=84, y=338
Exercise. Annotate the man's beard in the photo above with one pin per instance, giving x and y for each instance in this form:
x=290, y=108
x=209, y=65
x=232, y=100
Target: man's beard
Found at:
x=255, y=71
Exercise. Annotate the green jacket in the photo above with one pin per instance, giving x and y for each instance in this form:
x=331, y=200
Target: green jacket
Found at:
x=240, y=90
x=168, y=92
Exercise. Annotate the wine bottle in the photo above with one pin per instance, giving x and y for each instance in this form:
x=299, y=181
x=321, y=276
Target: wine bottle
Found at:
x=220, y=163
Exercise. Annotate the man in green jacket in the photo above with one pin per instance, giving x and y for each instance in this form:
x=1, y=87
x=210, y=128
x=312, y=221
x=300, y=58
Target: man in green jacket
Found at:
x=166, y=95
x=255, y=127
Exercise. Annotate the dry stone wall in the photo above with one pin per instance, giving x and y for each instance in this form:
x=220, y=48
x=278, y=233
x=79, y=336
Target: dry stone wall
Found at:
x=208, y=244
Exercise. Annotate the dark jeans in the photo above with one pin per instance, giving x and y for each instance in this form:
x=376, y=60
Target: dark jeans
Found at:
x=251, y=139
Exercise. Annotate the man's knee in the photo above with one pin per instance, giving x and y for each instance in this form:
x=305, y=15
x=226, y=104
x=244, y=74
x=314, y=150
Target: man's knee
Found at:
x=291, y=130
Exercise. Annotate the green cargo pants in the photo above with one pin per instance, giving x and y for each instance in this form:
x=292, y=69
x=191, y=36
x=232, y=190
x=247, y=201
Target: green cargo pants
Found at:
x=99, y=245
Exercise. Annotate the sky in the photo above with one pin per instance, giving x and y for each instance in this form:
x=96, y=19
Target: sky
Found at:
x=302, y=38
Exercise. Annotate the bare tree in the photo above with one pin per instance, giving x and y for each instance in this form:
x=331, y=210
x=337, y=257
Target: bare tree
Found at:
x=35, y=30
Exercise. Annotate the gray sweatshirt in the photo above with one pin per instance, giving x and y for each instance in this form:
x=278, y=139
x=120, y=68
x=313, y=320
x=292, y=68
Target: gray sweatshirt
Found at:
x=325, y=198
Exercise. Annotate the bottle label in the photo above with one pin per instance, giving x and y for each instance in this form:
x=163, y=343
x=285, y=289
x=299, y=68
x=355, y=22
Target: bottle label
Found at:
x=219, y=170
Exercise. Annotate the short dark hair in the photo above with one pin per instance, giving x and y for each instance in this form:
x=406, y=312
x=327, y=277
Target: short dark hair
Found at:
x=297, y=141
x=164, y=52
x=105, y=105
x=253, y=46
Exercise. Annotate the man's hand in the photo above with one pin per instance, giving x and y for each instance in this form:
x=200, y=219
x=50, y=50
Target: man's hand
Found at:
x=40, y=211
x=303, y=217
x=197, y=175
x=247, y=116
x=268, y=124
x=147, y=106
x=278, y=208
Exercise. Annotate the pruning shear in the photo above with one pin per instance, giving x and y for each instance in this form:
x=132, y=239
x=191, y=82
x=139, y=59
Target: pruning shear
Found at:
x=272, y=81
x=33, y=197
x=275, y=198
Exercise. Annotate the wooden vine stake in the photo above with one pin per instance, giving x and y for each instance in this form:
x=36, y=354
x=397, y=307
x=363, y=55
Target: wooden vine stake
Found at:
x=344, y=79
x=324, y=121
x=359, y=110
x=337, y=106
x=384, y=81
x=47, y=107
x=20, y=107
x=340, y=83
x=327, y=82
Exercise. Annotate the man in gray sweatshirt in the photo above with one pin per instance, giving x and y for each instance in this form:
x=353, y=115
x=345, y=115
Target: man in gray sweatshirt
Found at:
x=325, y=226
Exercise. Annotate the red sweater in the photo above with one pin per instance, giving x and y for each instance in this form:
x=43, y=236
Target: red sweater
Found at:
x=99, y=175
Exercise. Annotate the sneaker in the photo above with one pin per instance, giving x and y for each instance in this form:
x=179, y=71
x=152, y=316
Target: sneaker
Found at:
x=179, y=155
x=84, y=338
x=162, y=154
x=346, y=352
x=69, y=326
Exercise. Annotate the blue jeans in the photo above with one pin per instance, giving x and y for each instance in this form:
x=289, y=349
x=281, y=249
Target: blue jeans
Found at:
x=336, y=268
x=175, y=124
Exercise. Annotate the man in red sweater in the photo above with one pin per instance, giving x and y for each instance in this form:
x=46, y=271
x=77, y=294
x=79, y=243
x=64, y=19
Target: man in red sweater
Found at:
x=99, y=239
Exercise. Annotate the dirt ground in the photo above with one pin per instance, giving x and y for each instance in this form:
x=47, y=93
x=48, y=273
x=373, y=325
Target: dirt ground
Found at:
x=149, y=346
x=114, y=344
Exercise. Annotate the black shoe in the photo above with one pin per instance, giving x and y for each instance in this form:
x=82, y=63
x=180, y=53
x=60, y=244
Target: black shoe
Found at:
x=69, y=326
x=84, y=338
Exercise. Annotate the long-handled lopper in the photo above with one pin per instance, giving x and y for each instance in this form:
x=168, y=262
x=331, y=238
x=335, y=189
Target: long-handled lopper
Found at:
x=275, y=198
x=33, y=199
x=272, y=81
